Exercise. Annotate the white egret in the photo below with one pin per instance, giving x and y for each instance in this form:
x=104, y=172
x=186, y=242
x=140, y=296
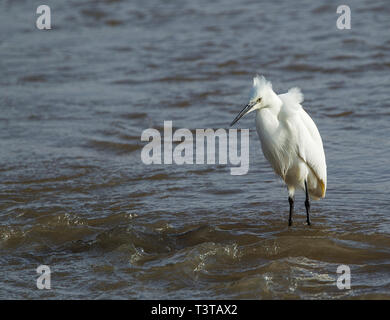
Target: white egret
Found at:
x=290, y=141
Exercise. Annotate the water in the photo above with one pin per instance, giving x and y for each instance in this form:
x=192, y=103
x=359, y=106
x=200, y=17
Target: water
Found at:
x=75, y=195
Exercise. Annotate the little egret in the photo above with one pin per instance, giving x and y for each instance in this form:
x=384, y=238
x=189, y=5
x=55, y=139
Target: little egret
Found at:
x=290, y=141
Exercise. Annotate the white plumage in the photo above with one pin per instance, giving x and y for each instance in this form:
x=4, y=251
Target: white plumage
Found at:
x=289, y=139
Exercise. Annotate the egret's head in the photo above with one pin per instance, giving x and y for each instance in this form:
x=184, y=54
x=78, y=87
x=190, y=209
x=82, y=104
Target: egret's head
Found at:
x=261, y=94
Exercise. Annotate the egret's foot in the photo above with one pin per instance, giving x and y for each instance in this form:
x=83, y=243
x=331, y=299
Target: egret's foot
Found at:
x=308, y=222
x=289, y=223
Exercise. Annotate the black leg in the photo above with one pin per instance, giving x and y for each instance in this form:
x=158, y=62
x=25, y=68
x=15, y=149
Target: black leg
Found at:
x=291, y=202
x=307, y=205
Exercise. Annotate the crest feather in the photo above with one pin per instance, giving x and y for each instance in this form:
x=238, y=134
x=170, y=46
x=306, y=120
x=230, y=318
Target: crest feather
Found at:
x=260, y=86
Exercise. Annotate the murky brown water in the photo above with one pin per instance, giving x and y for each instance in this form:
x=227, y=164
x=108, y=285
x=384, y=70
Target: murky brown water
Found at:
x=75, y=195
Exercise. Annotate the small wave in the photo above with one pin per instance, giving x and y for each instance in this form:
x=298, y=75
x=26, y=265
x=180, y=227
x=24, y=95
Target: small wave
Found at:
x=114, y=22
x=322, y=8
x=341, y=114
x=34, y=78
x=312, y=68
x=94, y=13
x=110, y=146
x=227, y=63
x=133, y=115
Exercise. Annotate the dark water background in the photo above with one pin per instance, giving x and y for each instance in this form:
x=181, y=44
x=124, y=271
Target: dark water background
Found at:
x=75, y=195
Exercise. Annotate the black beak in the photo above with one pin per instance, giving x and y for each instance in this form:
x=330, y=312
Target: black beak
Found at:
x=243, y=112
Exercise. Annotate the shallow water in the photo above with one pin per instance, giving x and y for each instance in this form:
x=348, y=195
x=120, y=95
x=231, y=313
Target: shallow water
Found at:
x=75, y=195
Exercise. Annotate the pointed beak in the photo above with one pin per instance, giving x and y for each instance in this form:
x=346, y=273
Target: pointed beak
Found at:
x=243, y=112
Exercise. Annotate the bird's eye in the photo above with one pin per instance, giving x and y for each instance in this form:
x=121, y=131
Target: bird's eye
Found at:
x=258, y=100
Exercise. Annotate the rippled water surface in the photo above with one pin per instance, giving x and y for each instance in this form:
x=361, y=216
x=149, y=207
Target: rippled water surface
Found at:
x=75, y=195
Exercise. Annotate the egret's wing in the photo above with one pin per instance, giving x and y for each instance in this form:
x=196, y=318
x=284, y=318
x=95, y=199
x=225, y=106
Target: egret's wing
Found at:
x=310, y=148
x=308, y=140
